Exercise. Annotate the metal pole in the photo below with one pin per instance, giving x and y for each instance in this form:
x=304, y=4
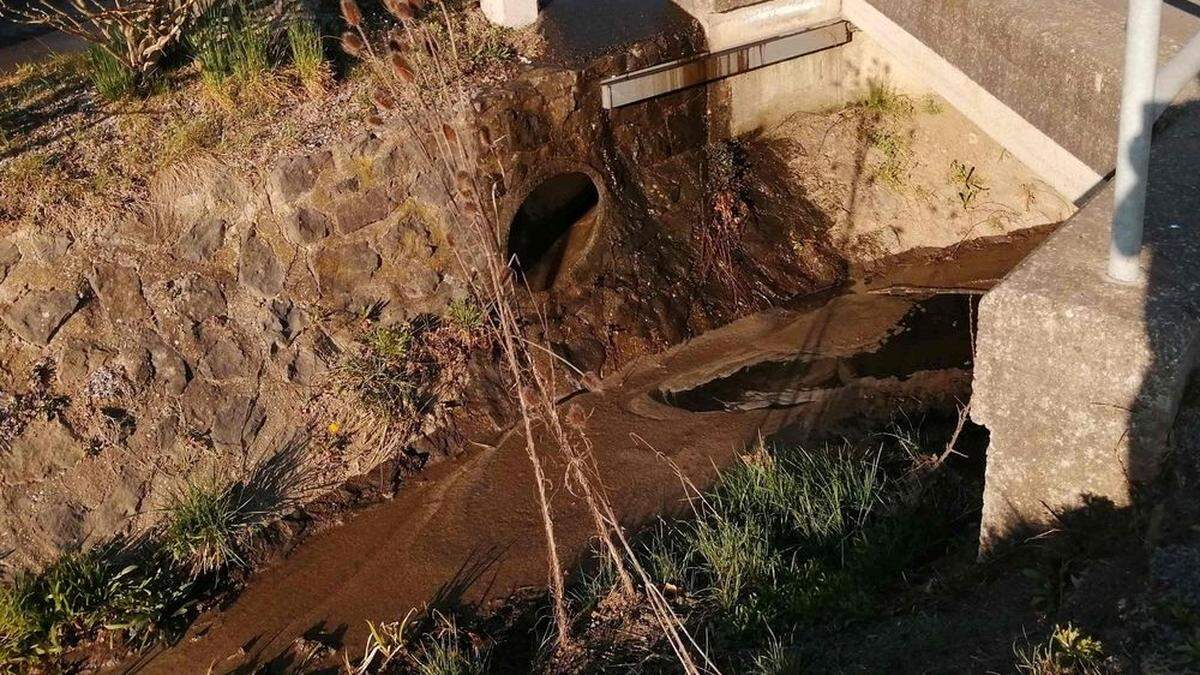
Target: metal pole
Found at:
x=1133, y=138
x=1175, y=74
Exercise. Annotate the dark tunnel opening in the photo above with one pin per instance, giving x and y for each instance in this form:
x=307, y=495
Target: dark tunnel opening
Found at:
x=552, y=227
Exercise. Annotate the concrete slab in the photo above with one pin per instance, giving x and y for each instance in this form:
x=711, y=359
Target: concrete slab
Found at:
x=727, y=28
x=1035, y=148
x=578, y=32
x=1078, y=378
x=725, y=5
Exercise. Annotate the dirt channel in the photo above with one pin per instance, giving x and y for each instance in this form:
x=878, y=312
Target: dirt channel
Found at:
x=468, y=531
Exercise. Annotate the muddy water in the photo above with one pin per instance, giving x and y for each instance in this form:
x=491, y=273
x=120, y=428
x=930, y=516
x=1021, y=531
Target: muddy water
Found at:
x=931, y=336
x=468, y=531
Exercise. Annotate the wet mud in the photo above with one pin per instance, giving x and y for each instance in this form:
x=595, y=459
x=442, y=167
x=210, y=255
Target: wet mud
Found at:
x=467, y=532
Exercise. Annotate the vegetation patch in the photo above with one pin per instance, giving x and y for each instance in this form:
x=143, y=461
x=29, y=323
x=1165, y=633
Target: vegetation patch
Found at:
x=38, y=402
x=968, y=184
x=432, y=644
x=112, y=78
x=128, y=592
x=207, y=526
x=405, y=372
x=718, y=238
x=1068, y=651
x=885, y=113
x=789, y=539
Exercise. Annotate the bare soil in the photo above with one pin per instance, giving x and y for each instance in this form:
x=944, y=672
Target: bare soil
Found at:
x=916, y=174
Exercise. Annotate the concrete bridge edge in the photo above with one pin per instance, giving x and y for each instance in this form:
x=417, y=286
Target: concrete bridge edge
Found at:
x=1065, y=172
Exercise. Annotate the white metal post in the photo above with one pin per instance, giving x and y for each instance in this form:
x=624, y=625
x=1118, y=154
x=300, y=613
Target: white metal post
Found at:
x=1133, y=138
x=1181, y=69
x=510, y=13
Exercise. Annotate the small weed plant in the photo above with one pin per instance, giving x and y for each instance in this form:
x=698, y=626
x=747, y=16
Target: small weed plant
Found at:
x=967, y=182
x=112, y=78
x=882, y=100
x=885, y=113
x=39, y=401
x=432, y=644
x=206, y=527
x=1068, y=651
x=308, y=55
x=465, y=314
x=404, y=371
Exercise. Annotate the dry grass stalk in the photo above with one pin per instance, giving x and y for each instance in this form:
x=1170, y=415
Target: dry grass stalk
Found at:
x=437, y=93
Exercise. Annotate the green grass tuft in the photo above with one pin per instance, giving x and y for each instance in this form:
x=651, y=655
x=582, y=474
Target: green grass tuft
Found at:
x=390, y=342
x=791, y=537
x=206, y=526
x=113, y=80
x=449, y=653
x=230, y=45
x=882, y=99
x=88, y=590
x=251, y=44
x=465, y=314
x=886, y=111
x=308, y=55
x=1068, y=651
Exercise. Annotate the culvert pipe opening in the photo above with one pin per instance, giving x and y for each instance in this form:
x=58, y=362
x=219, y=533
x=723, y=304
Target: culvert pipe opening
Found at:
x=552, y=228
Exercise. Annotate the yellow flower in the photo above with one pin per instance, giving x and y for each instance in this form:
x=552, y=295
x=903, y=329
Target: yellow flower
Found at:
x=334, y=428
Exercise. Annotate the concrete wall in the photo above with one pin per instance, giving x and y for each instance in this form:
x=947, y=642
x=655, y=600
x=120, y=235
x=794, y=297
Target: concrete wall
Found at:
x=882, y=49
x=1078, y=378
x=730, y=28
x=818, y=82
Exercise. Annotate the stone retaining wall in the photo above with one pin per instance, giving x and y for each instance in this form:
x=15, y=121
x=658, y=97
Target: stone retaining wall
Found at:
x=195, y=340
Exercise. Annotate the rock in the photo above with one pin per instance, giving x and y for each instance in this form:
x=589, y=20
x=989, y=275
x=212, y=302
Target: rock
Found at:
x=199, y=405
x=169, y=367
x=306, y=366
x=10, y=255
x=259, y=269
x=294, y=176
x=137, y=365
x=202, y=240
x=120, y=291
x=45, y=448
x=79, y=360
x=421, y=284
x=356, y=211
x=305, y=226
x=120, y=502
x=237, y=421
x=225, y=361
x=201, y=298
x=59, y=521
x=38, y=315
x=50, y=246
x=282, y=320
x=340, y=270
